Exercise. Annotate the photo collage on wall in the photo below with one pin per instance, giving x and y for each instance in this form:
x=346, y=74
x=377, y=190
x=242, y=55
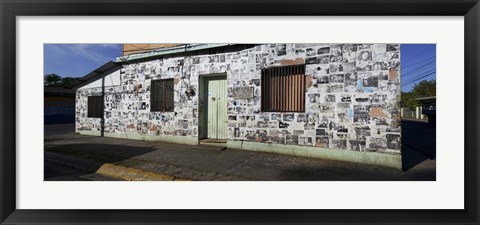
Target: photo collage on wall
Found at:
x=351, y=101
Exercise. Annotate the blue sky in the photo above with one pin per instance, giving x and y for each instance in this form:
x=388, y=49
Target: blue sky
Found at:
x=418, y=61
x=77, y=60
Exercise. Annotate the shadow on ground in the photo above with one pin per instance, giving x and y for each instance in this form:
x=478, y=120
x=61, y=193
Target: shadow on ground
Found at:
x=101, y=152
x=85, y=158
x=418, y=143
x=58, y=129
x=207, y=163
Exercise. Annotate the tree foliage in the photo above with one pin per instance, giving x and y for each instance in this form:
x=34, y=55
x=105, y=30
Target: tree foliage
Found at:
x=423, y=88
x=54, y=80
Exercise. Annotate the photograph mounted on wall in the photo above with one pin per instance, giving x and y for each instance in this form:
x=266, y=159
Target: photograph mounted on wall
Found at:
x=240, y=112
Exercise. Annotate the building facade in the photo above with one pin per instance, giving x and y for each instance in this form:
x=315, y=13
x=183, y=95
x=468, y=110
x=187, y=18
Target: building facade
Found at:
x=335, y=101
x=58, y=105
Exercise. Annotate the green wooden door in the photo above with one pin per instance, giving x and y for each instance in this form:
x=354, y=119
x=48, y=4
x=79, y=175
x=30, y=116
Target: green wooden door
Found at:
x=217, y=108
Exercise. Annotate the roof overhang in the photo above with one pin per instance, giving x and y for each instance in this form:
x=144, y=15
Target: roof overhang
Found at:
x=98, y=73
x=427, y=100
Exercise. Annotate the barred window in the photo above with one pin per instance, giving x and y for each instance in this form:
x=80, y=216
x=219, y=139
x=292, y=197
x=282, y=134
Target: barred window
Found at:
x=161, y=96
x=283, y=89
x=95, y=106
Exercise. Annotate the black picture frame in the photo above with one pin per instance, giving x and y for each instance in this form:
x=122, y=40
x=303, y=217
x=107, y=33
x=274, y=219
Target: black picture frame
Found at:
x=10, y=9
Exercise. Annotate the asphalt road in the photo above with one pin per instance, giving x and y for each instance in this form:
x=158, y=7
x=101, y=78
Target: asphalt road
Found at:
x=57, y=172
x=208, y=163
x=53, y=171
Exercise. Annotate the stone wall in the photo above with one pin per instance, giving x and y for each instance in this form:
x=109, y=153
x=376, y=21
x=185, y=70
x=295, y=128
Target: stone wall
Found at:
x=352, y=97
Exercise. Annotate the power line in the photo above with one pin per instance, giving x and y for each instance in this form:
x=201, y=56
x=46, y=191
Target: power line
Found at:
x=98, y=56
x=87, y=50
x=419, y=69
x=411, y=65
x=413, y=81
x=421, y=53
x=419, y=74
x=415, y=74
x=430, y=61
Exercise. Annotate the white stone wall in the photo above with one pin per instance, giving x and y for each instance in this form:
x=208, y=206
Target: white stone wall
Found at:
x=352, y=97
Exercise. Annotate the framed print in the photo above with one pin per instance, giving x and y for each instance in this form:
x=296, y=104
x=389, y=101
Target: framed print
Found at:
x=239, y=112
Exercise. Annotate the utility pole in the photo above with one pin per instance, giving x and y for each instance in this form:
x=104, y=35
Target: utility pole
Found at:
x=102, y=120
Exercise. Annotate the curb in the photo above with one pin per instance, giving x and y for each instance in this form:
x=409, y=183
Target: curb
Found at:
x=133, y=174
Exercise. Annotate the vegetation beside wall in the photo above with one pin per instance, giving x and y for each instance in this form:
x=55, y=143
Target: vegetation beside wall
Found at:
x=422, y=89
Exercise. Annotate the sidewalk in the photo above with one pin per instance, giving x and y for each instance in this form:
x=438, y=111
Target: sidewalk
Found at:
x=145, y=160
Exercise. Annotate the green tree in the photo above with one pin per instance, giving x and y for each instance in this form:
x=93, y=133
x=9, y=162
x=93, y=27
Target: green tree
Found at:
x=408, y=100
x=52, y=79
x=55, y=80
x=69, y=82
x=423, y=88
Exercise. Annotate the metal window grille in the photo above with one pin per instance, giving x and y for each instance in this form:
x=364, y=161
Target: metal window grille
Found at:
x=95, y=106
x=161, y=97
x=283, y=89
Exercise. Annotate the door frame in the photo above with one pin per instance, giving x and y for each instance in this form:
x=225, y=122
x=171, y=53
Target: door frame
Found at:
x=203, y=102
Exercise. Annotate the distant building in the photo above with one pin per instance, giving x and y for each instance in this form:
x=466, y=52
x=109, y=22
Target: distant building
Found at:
x=335, y=101
x=59, y=105
x=130, y=49
x=429, y=108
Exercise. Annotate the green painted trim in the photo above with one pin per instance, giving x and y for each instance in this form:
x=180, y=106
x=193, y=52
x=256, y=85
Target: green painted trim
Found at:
x=89, y=132
x=188, y=140
x=214, y=144
x=374, y=158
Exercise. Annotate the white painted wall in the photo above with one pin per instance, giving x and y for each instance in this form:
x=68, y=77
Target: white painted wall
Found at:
x=113, y=79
